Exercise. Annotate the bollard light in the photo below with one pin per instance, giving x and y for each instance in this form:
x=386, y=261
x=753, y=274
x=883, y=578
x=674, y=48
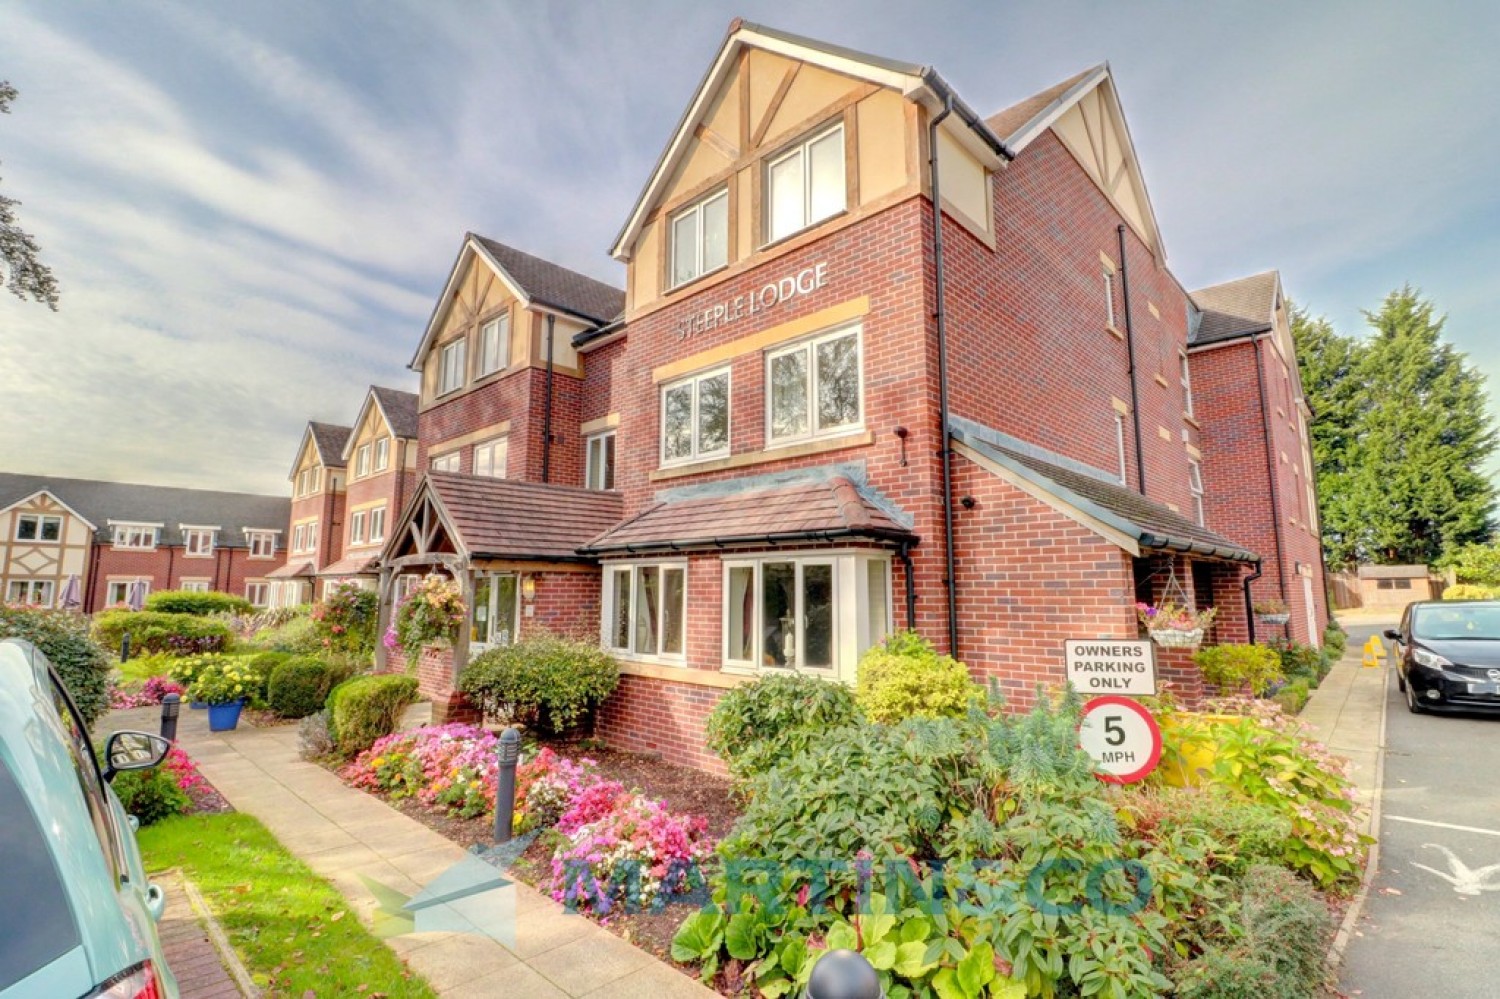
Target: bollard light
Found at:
x=171, y=705
x=125, y=647
x=843, y=974
x=505, y=783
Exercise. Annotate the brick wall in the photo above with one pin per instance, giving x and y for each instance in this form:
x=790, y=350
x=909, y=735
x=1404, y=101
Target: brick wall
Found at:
x=166, y=568
x=658, y=716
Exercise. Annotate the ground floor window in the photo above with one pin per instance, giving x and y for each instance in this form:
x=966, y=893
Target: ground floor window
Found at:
x=118, y=590
x=496, y=616
x=35, y=592
x=645, y=609
x=813, y=611
x=258, y=593
x=194, y=586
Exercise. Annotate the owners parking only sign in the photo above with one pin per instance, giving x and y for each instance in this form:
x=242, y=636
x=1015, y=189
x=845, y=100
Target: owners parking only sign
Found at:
x=1111, y=666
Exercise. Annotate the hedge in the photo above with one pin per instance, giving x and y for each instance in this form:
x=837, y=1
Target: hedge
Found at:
x=363, y=709
x=63, y=637
x=158, y=632
x=541, y=680
x=299, y=687
x=198, y=603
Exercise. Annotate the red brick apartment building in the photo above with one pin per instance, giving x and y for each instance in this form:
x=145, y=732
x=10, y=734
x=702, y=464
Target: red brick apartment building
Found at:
x=810, y=409
x=85, y=543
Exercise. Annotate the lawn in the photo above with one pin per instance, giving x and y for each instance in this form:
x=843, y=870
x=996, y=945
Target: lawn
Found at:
x=292, y=929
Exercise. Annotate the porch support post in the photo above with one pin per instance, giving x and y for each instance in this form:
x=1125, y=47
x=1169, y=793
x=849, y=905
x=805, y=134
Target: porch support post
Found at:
x=463, y=571
x=383, y=611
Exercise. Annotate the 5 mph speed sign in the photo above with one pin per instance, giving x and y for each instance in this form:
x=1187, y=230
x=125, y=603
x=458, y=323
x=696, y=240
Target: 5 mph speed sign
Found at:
x=1122, y=736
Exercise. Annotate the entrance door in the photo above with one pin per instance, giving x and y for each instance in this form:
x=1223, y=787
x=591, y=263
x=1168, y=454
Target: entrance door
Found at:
x=1315, y=639
x=495, y=618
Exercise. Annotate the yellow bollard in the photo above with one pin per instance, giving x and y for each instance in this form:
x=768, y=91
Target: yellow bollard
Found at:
x=1374, y=652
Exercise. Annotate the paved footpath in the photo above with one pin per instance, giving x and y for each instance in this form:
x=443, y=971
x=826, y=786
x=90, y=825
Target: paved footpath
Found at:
x=196, y=962
x=344, y=835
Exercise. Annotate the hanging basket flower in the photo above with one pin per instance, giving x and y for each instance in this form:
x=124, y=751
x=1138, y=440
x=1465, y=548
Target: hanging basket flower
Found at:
x=1172, y=638
x=430, y=616
x=1273, y=618
x=1173, y=626
x=1272, y=611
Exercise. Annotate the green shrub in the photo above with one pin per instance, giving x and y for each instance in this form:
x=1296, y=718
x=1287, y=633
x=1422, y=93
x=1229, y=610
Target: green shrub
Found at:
x=1335, y=638
x=1301, y=662
x=150, y=795
x=258, y=667
x=155, y=632
x=757, y=725
x=906, y=678
x=344, y=620
x=1293, y=697
x=1285, y=930
x=363, y=709
x=1475, y=563
x=544, y=680
x=1234, y=667
x=63, y=637
x=1244, y=833
x=295, y=634
x=1470, y=591
x=198, y=603
x=300, y=686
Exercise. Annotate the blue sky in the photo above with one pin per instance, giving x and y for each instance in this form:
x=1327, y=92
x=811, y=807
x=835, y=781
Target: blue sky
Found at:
x=252, y=207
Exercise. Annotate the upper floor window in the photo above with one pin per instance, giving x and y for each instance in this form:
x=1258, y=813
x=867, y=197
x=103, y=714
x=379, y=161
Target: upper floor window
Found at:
x=695, y=417
x=377, y=524
x=33, y=592
x=451, y=375
x=38, y=527
x=490, y=457
x=198, y=540
x=262, y=543
x=194, y=586
x=382, y=454
x=357, y=527
x=445, y=462
x=1120, y=444
x=646, y=609
x=599, y=464
x=700, y=238
x=494, y=345
x=362, y=461
x=1109, y=298
x=141, y=536
x=814, y=387
x=305, y=537
x=1195, y=486
x=1187, y=385
x=805, y=184
x=307, y=481
x=312, y=536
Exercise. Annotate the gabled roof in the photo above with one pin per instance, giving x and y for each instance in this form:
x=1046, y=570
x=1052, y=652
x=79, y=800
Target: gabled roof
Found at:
x=55, y=498
x=803, y=511
x=1239, y=308
x=1021, y=123
x=509, y=519
x=533, y=281
x=98, y=502
x=328, y=439
x=398, y=408
x=919, y=83
x=1090, y=497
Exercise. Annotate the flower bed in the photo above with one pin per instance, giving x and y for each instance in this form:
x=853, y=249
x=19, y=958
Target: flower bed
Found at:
x=151, y=692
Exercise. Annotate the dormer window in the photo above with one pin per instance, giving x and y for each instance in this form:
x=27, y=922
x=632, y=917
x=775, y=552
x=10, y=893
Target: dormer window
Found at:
x=805, y=185
x=137, y=536
x=451, y=375
x=198, y=541
x=700, y=238
x=494, y=345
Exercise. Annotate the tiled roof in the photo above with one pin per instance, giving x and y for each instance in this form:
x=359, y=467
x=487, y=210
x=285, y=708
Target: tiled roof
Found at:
x=834, y=507
x=100, y=502
x=292, y=570
x=1236, y=308
x=503, y=518
x=353, y=565
x=400, y=410
x=555, y=285
x=1151, y=524
x=1010, y=121
x=330, y=440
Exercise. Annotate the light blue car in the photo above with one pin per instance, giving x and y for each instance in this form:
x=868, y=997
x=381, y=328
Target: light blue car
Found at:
x=77, y=915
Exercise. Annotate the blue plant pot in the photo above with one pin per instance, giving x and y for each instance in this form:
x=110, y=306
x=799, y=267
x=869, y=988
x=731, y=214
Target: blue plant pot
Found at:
x=224, y=717
x=197, y=705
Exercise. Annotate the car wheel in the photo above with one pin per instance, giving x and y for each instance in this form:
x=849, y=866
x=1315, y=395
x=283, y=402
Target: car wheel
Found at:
x=1412, y=704
x=1400, y=680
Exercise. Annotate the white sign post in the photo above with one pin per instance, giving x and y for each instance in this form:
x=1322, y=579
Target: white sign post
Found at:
x=1122, y=736
x=1111, y=666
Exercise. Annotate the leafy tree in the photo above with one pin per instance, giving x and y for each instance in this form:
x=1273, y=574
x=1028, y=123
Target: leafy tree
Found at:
x=19, y=252
x=1475, y=563
x=1416, y=484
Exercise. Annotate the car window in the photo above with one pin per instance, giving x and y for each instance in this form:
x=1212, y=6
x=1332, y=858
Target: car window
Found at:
x=90, y=781
x=36, y=923
x=1441, y=622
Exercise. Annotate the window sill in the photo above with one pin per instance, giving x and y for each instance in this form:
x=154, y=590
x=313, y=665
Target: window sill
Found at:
x=118, y=548
x=751, y=458
x=665, y=662
x=815, y=440
x=680, y=463
x=1113, y=331
x=198, y=555
x=696, y=278
x=1161, y=380
x=40, y=541
x=1191, y=421
x=722, y=680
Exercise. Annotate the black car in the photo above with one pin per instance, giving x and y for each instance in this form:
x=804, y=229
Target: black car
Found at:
x=1448, y=655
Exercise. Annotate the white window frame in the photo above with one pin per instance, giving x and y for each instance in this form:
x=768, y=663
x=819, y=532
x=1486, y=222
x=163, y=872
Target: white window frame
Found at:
x=599, y=462
x=312, y=536
x=41, y=520
x=493, y=448
x=307, y=482
x=612, y=571
x=124, y=590
x=500, y=327
x=299, y=537
x=32, y=592
x=377, y=524
x=803, y=149
x=1109, y=299
x=362, y=461
x=255, y=539
x=809, y=345
x=452, y=363
x=852, y=631
x=194, y=585
x=382, y=454
x=494, y=605
x=695, y=380
x=136, y=537
x=1120, y=446
x=1195, y=487
x=1186, y=377
x=697, y=208
x=258, y=592
x=357, y=527
x=440, y=462
x=198, y=542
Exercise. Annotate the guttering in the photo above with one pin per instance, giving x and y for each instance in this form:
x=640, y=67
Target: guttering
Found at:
x=1135, y=392
x=740, y=540
x=945, y=454
x=1260, y=570
x=1265, y=420
x=599, y=336
x=904, y=554
x=1156, y=542
x=954, y=104
x=547, y=405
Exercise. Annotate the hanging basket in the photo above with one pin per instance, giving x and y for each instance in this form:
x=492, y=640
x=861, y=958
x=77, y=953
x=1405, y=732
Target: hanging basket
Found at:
x=1171, y=638
x=1273, y=618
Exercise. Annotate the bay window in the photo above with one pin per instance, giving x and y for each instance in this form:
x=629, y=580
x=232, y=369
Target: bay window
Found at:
x=451, y=372
x=814, y=388
x=645, y=610
x=700, y=238
x=695, y=417
x=805, y=184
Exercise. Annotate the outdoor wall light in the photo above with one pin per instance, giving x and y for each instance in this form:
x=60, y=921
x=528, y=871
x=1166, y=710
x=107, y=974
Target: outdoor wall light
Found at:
x=528, y=588
x=902, y=433
x=969, y=502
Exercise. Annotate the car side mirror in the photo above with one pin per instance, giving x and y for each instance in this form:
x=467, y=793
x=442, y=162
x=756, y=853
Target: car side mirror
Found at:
x=133, y=751
x=1392, y=634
